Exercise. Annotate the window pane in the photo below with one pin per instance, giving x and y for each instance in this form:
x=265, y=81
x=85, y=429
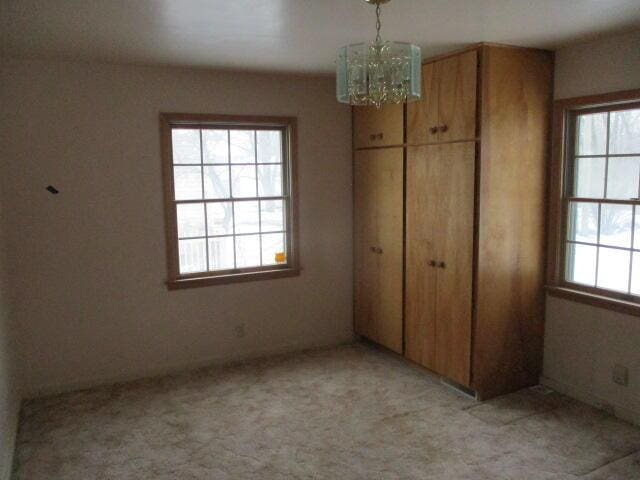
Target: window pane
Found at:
x=635, y=274
x=186, y=145
x=615, y=225
x=589, y=177
x=269, y=180
x=190, y=220
x=583, y=222
x=215, y=147
x=581, y=263
x=221, y=253
x=269, y=146
x=220, y=218
x=216, y=182
x=272, y=215
x=625, y=132
x=247, y=217
x=591, y=134
x=248, y=251
x=243, y=148
x=187, y=182
x=623, y=177
x=193, y=255
x=243, y=181
x=613, y=269
x=636, y=235
x=273, y=251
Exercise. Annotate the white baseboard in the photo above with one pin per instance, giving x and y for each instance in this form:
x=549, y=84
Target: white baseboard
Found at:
x=585, y=395
x=173, y=368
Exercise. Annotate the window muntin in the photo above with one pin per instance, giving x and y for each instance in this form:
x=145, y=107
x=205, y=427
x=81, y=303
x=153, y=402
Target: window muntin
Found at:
x=229, y=197
x=602, y=201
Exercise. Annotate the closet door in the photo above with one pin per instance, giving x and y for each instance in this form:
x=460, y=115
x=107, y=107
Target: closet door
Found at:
x=422, y=116
x=378, y=127
x=454, y=244
x=365, y=261
x=421, y=255
x=457, y=81
x=378, y=220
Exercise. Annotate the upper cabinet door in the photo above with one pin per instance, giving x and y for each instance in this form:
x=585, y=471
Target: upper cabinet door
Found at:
x=457, y=81
x=373, y=127
x=422, y=116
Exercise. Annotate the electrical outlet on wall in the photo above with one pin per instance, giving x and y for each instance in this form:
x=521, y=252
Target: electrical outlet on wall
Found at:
x=621, y=375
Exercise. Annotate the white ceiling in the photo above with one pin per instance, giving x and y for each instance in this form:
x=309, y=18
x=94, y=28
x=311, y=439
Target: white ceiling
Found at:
x=288, y=35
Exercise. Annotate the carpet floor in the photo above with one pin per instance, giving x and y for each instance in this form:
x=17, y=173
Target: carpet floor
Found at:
x=351, y=412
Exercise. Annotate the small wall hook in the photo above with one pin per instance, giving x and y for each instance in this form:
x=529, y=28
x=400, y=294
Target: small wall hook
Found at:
x=53, y=190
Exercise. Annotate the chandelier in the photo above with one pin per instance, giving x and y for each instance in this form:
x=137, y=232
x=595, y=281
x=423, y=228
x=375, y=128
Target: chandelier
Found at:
x=379, y=72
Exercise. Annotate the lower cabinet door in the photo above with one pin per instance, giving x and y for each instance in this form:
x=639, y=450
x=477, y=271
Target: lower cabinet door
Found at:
x=439, y=257
x=421, y=271
x=454, y=245
x=378, y=227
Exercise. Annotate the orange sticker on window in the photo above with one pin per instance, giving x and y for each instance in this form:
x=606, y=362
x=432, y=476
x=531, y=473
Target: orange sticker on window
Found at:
x=281, y=257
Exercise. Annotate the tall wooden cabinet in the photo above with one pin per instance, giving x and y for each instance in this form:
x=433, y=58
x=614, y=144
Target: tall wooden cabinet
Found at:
x=468, y=228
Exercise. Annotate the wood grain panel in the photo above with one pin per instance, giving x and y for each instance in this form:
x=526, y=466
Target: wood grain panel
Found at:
x=457, y=83
x=420, y=285
x=509, y=312
x=390, y=201
x=454, y=241
x=422, y=116
x=365, y=228
x=382, y=127
x=378, y=248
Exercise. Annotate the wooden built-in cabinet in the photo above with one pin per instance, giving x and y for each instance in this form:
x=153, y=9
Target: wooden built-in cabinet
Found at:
x=471, y=247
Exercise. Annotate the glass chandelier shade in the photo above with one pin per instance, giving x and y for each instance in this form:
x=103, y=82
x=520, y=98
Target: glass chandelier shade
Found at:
x=379, y=72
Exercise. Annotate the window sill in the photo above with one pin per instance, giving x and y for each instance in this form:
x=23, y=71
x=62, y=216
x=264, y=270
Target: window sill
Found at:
x=232, y=278
x=600, y=301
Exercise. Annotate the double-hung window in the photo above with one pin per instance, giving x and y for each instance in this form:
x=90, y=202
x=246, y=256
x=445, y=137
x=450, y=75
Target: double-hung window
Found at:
x=230, y=208
x=599, y=233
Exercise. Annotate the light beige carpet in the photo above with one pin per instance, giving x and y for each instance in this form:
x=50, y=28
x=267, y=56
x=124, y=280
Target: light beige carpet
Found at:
x=351, y=412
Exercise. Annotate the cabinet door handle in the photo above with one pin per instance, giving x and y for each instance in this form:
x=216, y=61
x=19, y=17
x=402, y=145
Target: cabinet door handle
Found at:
x=433, y=130
x=444, y=128
x=373, y=249
x=379, y=251
x=432, y=263
x=442, y=265
x=380, y=136
x=372, y=137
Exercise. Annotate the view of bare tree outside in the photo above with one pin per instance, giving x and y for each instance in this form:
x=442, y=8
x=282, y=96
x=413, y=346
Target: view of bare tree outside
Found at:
x=603, y=244
x=231, y=198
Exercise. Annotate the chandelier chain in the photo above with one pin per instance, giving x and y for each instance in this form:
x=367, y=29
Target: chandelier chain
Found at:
x=378, y=24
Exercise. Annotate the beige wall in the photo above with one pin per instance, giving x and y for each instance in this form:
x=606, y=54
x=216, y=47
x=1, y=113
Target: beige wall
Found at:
x=583, y=343
x=607, y=65
x=88, y=265
x=9, y=393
